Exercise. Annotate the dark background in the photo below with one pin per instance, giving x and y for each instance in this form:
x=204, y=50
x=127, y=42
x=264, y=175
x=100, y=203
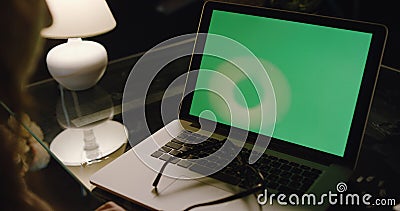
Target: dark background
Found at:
x=140, y=25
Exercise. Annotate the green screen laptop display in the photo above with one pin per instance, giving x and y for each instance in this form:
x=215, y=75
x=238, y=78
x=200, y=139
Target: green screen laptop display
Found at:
x=316, y=72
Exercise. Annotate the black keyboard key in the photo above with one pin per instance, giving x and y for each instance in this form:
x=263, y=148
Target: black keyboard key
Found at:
x=173, y=145
x=214, y=159
x=275, y=171
x=196, y=135
x=296, y=170
x=192, y=140
x=197, y=138
x=310, y=175
x=295, y=185
x=264, y=170
x=193, y=156
x=285, y=167
x=202, y=162
x=220, y=160
x=283, y=181
x=272, y=157
x=273, y=177
x=189, y=146
x=204, y=153
x=286, y=174
x=279, y=173
x=212, y=165
x=272, y=185
x=175, y=160
x=263, y=159
x=177, y=141
x=184, y=163
x=276, y=164
x=201, y=142
x=165, y=149
x=165, y=157
x=157, y=154
x=316, y=171
x=283, y=161
x=296, y=177
x=175, y=152
x=245, y=152
x=305, y=167
x=229, y=170
x=214, y=141
x=182, y=136
x=185, y=148
x=200, y=169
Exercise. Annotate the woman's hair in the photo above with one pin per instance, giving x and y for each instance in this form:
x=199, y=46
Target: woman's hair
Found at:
x=21, y=22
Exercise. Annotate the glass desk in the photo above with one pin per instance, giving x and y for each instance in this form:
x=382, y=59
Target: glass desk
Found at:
x=49, y=115
x=52, y=102
x=47, y=96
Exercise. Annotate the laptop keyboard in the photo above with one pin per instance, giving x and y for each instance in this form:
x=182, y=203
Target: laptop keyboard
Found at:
x=279, y=174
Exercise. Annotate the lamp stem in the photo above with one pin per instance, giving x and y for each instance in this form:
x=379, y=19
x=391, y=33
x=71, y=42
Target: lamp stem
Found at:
x=91, y=147
x=75, y=39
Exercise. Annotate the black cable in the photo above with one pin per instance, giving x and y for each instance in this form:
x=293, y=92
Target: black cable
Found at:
x=157, y=179
x=183, y=154
x=259, y=187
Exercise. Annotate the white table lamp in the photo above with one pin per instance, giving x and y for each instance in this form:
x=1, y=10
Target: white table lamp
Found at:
x=78, y=64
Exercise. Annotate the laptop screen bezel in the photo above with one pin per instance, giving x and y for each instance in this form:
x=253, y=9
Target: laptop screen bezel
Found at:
x=379, y=33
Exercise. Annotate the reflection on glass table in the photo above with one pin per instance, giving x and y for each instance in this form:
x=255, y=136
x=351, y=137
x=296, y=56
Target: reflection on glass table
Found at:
x=57, y=111
x=102, y=107
x=89, y=134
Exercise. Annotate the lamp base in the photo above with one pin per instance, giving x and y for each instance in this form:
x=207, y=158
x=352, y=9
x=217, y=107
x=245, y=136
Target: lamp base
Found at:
x=77, y=64
x=68, y=146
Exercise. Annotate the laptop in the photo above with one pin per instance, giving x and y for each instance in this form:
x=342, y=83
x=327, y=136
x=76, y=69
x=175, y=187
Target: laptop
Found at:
x=294, y=127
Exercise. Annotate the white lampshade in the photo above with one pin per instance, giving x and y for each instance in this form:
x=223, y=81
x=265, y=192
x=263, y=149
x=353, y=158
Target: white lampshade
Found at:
x=78, y=18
